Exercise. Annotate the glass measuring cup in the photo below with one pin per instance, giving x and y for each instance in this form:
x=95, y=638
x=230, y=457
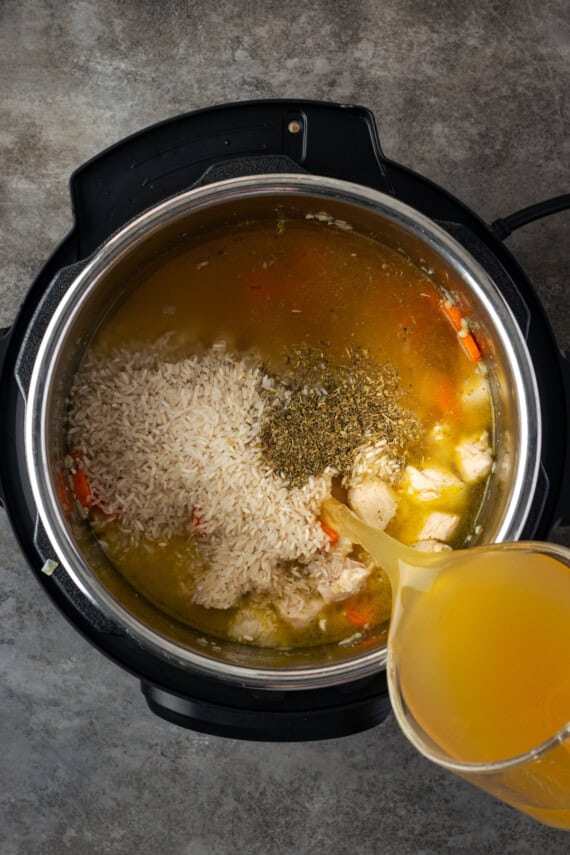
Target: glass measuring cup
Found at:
x=465, y=719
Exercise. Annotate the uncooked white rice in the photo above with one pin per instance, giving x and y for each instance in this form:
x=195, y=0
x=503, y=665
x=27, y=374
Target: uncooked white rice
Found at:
x=164, y=441
x=171, y=445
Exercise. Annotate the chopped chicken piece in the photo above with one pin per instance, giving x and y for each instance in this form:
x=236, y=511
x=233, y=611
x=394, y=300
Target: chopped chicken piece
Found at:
x=431, y=546
x=349, y=581
x=298, y=612
x=374, y=502
x=474, y=458
x=429, y=483
x=439, y=527
x=254, y=625
x=475, y=392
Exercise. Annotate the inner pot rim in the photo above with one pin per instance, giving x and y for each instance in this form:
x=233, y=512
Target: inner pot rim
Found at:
x=124, y=241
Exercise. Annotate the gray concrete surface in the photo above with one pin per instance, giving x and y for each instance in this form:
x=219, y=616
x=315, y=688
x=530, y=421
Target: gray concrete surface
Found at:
x=474, y=95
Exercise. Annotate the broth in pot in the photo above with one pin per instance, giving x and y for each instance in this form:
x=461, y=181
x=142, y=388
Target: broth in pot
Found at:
x=256, y=370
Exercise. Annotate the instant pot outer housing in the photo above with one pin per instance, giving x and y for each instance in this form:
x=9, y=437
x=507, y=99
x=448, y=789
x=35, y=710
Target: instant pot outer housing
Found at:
x=139, y=200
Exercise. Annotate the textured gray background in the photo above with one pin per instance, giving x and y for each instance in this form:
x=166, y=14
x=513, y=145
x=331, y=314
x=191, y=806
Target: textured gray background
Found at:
x=472, y=94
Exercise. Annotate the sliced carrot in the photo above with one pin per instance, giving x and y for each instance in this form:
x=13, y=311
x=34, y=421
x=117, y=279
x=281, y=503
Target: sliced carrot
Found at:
x=453, y=313
x=465, y=337
x=81, y=487
x=470, y=347
x=197, y=523
x=360, y=615
x=80, y=481
x=330, y=532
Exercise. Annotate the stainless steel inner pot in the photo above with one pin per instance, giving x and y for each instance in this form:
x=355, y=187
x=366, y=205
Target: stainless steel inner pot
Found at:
x=112, y=271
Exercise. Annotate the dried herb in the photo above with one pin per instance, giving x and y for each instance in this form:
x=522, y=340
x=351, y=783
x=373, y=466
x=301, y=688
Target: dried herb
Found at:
x=321, y=412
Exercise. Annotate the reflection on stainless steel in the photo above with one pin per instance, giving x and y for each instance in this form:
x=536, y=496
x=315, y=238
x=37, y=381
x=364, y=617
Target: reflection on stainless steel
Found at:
x=102, y=283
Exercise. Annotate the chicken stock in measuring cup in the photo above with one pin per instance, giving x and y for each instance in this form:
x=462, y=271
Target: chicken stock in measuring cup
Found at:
x=478, y=666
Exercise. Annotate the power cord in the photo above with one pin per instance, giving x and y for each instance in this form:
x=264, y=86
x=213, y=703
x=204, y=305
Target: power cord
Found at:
x=502, y=228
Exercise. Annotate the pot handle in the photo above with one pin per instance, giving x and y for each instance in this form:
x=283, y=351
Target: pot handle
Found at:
x=502, y=228
x=336, y=140
x=4, y=342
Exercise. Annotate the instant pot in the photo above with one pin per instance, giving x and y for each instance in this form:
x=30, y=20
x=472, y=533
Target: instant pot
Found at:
x=139, y=199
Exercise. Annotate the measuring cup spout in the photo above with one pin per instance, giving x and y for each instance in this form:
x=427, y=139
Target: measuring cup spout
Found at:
x=396, y=560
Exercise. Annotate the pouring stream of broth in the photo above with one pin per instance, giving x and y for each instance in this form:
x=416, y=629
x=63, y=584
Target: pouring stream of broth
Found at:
x=401, y=563
x=398, y=561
